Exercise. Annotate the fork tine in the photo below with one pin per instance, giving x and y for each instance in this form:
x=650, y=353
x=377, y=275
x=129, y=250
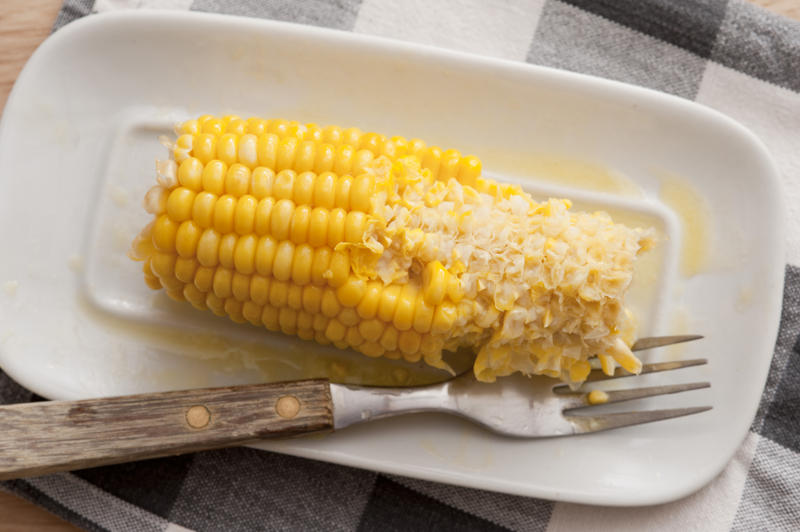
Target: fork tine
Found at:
x=659, y=341
x=585, y=399
x=586, y=424
x=597, y=375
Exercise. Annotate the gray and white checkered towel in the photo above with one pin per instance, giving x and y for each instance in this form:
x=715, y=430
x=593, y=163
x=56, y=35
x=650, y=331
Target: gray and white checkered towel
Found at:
x=726, y=54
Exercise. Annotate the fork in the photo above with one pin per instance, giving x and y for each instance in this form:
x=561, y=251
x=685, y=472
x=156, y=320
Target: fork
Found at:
x=45, y=437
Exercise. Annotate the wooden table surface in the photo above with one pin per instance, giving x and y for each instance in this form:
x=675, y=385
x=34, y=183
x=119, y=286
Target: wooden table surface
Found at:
x=24, y=24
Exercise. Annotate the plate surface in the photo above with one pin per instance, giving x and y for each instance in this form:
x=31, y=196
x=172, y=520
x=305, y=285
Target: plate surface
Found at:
x=77, y=143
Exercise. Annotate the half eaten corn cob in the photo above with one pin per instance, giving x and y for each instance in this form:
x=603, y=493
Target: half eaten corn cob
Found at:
x=386, y=246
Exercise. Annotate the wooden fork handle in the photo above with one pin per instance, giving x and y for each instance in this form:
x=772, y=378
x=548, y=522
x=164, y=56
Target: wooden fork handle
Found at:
x=45, y=437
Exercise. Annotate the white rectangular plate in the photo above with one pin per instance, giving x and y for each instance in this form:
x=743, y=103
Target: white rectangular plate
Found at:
x=77, y=145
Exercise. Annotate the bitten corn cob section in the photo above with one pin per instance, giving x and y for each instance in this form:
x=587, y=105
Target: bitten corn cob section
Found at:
x=386, y=246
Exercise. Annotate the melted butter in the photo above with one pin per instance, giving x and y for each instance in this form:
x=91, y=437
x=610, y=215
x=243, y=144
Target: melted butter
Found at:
x=693, y=212
x=564, y=171
x=300, y=360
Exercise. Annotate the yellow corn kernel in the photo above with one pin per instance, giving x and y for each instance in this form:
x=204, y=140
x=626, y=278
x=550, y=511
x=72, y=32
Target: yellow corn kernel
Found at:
x=244, y=254
x=304, y=156
x=265, y=254
x=283, y=187
x=338, y=269
x=213, y=126
x=354, y=226
x=454, y=290
x=195, y=297
x=281, y=219
x=213, y=179
x=261, y=180
x=351, y=292
x=343, y=186
x=227, y=247
x=423, y=315
x=224, y=209
x=335, y=331
x=348, y=317
x=579, y=370
x=449, y=166
x=368, y=307
x=305, y=321
x=237, y=180
x=325, y=190
x=431, y=159
x=184, y=269
x=204, y=147
x=434, y=283
x=208, y=248
x=353, y=337
x=301, y=264
x=251, y=312
x=443, y=317
x=259, y=289
x=607, y=364
x=284, y=256
x=278, y=293
x=215, y=304
x=203, y=209
x=204, y=278
x=269, y=317
x=190, y=174
x=263, y=216
x=318, y=227
x=164, y=233
x=320, y=264
x=267, y=150
x=344, y=158
x=301, y=219
x=389, y=338
x=163, y=265
x=187, y=238
x=294, y=298
x=404, y=310
x=227, y=148
x=409, y=342
x=286, y=152
x=371, y=330
x=324, y=159
x=320, y=323
x=469, y=169
x=312, y=299
x=336, y=225
x=248, y=150
x=222, y=283
x=388, y=302
x=240, y=286
x=303, y=193
x=330, y=305
x=244, y=215
x=371, y=349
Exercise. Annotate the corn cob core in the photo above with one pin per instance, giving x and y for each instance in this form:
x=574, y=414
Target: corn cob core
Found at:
x=385, y=246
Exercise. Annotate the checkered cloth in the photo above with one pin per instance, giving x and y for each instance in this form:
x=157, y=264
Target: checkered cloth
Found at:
x=728, y=55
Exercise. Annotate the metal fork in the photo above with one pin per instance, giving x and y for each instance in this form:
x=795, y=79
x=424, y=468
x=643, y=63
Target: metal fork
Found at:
x=520, y=406
x=44, y=437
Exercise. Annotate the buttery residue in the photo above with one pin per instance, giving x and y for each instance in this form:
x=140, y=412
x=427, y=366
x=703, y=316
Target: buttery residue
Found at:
x=275, y=359
x=75, y=263
x=745, y=298
x=565, y=171
x=119, y=195
x=694, y=215
x=10, y=288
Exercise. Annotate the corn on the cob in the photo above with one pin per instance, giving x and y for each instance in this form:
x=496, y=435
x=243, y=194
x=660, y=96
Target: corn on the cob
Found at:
x=386, y=246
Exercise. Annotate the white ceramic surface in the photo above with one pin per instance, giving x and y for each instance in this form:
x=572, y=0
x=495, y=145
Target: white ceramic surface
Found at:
x=77, y=144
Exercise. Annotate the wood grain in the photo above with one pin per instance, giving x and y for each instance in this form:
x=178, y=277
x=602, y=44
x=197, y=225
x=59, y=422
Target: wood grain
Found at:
x=23, y=25
x=46, y=437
